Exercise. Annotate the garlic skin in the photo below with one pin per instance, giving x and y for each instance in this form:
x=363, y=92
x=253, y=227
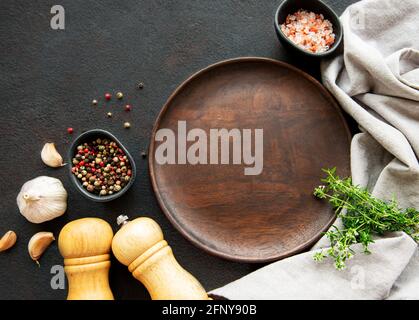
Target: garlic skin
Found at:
x=39, y=243
x=50, y=156
x=42, y=199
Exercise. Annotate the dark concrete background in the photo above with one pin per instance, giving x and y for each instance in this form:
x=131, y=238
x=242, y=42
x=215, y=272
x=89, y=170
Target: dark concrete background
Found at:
x=48, y=79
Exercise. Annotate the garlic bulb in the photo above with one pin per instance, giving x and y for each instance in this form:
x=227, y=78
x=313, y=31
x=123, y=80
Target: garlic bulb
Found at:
x=50, y=156
x=42, y=199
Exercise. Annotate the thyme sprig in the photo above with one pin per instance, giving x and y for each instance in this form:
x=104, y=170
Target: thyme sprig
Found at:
x=362, y=215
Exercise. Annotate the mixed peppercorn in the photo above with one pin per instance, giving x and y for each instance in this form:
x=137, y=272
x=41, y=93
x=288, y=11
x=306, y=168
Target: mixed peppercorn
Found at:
x=102, y=167
x=108, y=96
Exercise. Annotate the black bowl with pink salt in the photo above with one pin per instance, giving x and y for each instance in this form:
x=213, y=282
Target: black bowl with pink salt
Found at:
x=309, y=28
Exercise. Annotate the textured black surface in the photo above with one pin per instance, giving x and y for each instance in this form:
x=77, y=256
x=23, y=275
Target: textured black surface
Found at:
x=48, y=79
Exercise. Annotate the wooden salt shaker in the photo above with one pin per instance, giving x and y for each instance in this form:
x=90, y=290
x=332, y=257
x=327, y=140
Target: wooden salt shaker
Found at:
x=85, y=245
x=140, y=245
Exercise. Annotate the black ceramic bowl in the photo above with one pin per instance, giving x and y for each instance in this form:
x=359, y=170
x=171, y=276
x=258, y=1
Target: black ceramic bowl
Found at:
x=90, y=136
x=291, y=6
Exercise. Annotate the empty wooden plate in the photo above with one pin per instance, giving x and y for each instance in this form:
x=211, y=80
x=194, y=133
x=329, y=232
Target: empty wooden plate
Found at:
x=253, y=218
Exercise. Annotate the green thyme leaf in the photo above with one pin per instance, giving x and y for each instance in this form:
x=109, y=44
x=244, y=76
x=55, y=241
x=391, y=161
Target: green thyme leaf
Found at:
x=363, y=216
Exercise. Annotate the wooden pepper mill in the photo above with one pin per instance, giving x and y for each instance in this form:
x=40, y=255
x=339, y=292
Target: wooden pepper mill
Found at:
x=140, y=245
x=85, y=245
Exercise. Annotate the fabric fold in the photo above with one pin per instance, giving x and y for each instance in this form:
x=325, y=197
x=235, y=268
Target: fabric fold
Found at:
x=300, y=277
x=376, y=82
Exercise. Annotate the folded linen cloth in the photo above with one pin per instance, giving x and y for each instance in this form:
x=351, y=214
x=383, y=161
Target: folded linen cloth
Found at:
x=376, y=81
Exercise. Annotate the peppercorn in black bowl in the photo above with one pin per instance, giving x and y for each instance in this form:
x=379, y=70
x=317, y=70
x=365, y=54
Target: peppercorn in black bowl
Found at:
x=101, y=167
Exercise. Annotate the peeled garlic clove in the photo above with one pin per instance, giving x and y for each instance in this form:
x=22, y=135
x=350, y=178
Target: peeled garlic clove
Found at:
x=8, y=240
x=39, y=243
x=50, y=156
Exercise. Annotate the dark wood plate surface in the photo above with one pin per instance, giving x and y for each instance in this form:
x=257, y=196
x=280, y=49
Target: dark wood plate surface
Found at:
x=264, y=217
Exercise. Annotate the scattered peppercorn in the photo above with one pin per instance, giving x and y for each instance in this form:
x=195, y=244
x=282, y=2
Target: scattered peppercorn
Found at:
x=127, y=125
x=108, y=96
x=102, y=167
x=140, y=85
x=70, y=130
x=128, y=107
x=119, y=95
x=143, y=154
x=109, y=114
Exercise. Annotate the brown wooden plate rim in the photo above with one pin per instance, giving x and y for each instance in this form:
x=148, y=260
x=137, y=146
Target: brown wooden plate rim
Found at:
x=169, y=215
